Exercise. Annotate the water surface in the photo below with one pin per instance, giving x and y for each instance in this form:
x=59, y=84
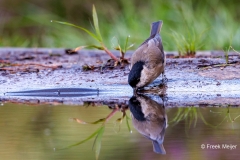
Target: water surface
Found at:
x=33, y=131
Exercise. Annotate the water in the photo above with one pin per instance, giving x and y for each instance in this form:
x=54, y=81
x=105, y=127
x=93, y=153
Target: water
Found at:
x=44, y=110
x=33, y=131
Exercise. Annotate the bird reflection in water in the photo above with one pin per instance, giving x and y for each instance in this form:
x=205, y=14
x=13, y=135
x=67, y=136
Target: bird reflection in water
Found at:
x=149, y=119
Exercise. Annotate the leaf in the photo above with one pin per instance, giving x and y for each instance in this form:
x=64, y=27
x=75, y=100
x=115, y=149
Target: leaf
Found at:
x=94, y=46
x=128, y=125
x=79, y=48
x=125, y=47
x=203, y=32
x=83, y=122
x=84, y=29
x=118, y=48
x=79, y=121
x=130, y=46
x=98, y=121
x=85, y=140
x=88, y=46
x=95, y=23
x=97, y=141
x=234, y=49
x=115, y=43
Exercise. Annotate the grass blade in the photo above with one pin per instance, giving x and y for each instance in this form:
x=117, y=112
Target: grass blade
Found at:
x=88, y=138
x=98, y=140
x=130, y=46
x=98, y=121
x=115, y=43
x=85, y=30
x=125, y=47
x=128, y=125
x=94, y=46
x=95, y=23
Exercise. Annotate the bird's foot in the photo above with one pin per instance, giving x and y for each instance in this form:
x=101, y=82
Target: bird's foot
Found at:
x=137, y=91
x=164, y=99
x=164, y=79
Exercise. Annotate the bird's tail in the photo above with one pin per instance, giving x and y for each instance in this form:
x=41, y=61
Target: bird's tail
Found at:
x=155, y=28
x=158, y=147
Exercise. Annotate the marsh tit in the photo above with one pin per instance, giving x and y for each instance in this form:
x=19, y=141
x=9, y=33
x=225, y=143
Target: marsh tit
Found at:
x=149, y=60
x=149, y=119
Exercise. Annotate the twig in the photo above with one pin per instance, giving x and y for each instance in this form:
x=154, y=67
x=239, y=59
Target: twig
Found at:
x=25, y=65
x=41, y=65
x=217, y=65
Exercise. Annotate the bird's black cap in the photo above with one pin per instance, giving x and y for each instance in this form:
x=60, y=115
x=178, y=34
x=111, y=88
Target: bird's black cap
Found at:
x=135, y=74
x=136, y=109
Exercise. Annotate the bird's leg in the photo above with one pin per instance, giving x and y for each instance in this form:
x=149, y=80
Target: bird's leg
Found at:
x=164, y=99
x=164, y=78
x=137, y=91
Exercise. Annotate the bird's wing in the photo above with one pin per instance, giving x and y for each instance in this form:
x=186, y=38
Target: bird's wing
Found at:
x=139, y=54
x=151, y=52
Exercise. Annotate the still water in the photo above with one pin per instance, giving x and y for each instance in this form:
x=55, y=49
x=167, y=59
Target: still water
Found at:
x=97, y=131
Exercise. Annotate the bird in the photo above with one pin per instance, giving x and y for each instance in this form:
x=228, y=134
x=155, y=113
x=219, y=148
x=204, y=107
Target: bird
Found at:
x=149, y=119
x=148, y=61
